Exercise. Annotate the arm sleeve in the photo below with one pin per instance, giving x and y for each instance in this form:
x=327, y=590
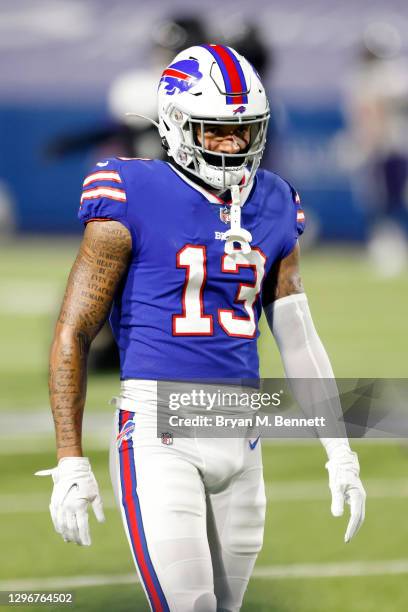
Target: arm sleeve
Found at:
x=104, y=194
x=293, y=218
x=307, y=365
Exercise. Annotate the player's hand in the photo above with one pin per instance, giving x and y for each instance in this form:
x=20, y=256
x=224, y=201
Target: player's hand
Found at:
x=74, y=488
x=345, y=486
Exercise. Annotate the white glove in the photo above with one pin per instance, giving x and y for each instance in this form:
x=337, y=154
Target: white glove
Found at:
x=345, y=486
x=74, y=487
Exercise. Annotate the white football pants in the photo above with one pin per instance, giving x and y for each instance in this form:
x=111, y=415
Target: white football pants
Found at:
x=193, y=511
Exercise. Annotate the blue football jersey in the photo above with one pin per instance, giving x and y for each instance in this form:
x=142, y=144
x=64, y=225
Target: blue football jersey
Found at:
x=186, y=310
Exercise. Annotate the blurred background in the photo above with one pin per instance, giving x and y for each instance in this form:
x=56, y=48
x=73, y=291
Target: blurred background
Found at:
x=337, y=79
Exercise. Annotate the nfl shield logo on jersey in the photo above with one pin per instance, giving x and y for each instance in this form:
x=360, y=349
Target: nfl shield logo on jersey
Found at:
x=225, y=214
x=167, y=438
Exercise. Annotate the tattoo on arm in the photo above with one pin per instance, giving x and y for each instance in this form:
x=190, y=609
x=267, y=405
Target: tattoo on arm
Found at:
x=283, y=279
x=98, y=269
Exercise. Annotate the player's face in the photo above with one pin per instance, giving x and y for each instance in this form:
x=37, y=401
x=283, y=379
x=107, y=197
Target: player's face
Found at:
x=222, y=138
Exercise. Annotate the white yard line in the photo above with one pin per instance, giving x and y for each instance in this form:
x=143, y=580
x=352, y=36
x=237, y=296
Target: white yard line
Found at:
x=97, y=438
x=66, y=582
x=27, y=504
x=310, y=490
x=32, y=428
x=271, y=572
x=313, y=490
x=33, y=432
x=333, y=570
x=25, y=425
x=39, y=444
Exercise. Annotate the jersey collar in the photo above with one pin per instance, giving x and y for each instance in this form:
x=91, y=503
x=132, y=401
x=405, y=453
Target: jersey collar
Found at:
x=245, y=190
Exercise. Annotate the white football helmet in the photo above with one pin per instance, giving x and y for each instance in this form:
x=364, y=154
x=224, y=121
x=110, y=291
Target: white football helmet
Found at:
x=207, y=85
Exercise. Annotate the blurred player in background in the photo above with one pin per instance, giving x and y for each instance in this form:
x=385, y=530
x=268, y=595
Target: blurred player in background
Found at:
x=188, y=252
x=136, y=89
x=377, y=114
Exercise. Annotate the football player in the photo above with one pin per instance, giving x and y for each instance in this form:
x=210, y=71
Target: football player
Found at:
x=183, y=255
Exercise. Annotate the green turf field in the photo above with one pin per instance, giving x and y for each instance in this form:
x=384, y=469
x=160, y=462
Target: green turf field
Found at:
x=304, y=565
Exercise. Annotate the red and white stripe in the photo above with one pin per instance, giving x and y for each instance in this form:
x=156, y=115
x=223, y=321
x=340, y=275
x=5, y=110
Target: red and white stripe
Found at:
x=103, y=175
x=300, y=215
x=106, y=192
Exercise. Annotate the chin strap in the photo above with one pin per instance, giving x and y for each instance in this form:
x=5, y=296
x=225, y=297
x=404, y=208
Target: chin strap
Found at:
x=236, y=233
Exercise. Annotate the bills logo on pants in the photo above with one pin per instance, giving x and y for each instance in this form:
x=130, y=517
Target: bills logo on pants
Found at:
x=125, y=433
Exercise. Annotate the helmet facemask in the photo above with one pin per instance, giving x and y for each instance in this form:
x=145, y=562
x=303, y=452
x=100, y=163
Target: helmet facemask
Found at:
x=219, y=170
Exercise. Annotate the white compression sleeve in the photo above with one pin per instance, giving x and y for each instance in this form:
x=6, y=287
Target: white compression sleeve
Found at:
x=304, y=357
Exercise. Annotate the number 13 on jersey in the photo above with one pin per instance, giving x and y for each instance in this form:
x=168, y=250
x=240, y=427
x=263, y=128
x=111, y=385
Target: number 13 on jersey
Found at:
x=193, y=321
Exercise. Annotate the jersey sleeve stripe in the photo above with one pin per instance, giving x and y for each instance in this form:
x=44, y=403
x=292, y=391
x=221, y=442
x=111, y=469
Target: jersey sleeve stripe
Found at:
x=103, y=175
x=300, y=215
x=107, y=192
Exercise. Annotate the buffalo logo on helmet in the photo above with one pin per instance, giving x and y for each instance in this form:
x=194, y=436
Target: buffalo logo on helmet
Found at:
x=126, y=432
x=240, y=109
x=181, y=76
